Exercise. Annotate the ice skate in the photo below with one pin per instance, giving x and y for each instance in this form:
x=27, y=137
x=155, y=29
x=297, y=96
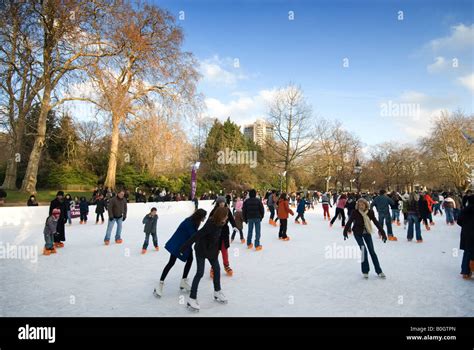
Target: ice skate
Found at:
x=305, y=223
x=158, y=291
x=193, y=305
x=228, y=271
x=220, y=297
x=119, y=241
x=106, y=242
x=419, y=241
x=365, y=275
x=46, y=251
x=285, y=238
x=184, y=286
x=249, y=246
x=143, y=251
x=382, y=275
x=258, y=248
x=297, y=222
x=157, y=248
x=242, y=241
x=52, y=250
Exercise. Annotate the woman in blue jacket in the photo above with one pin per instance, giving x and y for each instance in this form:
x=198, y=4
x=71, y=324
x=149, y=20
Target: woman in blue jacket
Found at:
x=185, y=230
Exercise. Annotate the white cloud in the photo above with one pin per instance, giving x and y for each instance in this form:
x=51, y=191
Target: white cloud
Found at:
x=460, y=38
x=468, y=81
x=219, y=71
x=439, y=64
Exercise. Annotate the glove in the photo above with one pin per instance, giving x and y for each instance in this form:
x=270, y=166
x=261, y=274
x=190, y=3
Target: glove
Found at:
x=123, y=218
x=345, y=235
x=384, y=236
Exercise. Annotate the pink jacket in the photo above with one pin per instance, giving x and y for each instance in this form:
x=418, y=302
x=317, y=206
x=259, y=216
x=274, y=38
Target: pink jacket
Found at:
x=238, y=205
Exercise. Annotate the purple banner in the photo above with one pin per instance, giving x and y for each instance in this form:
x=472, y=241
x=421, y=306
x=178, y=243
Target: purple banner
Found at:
x=193, y=183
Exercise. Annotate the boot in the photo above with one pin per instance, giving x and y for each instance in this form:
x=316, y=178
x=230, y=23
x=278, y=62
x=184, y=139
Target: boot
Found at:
x=220, y=297
x=297, y=222
x=249, y=246
x=157, y=248
x=228, y=271
x=119, y=241
x=258, y=248
x=106, y=242
x=143, y=251
x=471, y=265
x=184, y=285
x=53, y=251
x=427, y=228
x=419, y=241
x=305, y=223
x=158, y=291
x=46, y=252
x=287, y=238
x=242, y=240
x=193, y=305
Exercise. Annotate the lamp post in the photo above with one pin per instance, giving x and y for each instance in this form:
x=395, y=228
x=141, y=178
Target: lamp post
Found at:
x=357, y=171
x=194, y=170
x=351, y=182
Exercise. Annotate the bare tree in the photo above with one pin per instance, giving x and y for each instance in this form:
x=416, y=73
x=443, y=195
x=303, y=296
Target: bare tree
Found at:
x=291, y=118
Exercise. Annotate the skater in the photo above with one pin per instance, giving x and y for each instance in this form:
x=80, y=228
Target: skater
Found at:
x=424, y=211
x=59, y=203
x=239, y=219
x=361, y=221
x=185, y=230
x=466, y=221
x=84, y=210
x=253, y=213
x=50, y=231
x=404, y=203
x=271, y=202
x=413, y=217
x=395, y=208
x=283, y=211
x=68, y=200
x=326, y=204
x=117, y=210
x=438, y=198
x=448, y=206
x=351, y=203
x=208, y=242
x=382, y=203
x=100, y=209
x=341, y=203
x=225, y=235
x=430, y=203
x=150, y=221
x=32, y=201
x=300, y=209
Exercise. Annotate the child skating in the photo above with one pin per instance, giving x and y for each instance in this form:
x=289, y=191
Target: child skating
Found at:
x=150, y=221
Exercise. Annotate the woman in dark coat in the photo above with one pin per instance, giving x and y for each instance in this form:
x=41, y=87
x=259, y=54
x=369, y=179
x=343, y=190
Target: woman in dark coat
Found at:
x=59, y=203
x=361, y=221
x=32, y=201
x=225, y=234
x=207, y=241
x=185, y=230
x=424, y=211
x=466, y=221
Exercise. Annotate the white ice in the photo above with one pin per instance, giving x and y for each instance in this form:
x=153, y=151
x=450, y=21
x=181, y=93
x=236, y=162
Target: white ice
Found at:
x=301, y=277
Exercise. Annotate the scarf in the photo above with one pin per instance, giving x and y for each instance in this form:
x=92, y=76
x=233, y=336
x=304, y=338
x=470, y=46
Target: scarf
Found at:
x=367, y=221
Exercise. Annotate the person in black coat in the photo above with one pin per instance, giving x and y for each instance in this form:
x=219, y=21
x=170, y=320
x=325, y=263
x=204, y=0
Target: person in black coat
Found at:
x=208, y=240
x=424, y=211
x=59, y=203
x=100, y=209
x=225, y=234
x=32, y=201
x=252, y=214
x=466, y=221
x=361, y=221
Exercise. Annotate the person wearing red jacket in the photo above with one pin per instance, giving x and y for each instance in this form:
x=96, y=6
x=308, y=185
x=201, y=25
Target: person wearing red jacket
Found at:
x=430, y=202
x=283, y=211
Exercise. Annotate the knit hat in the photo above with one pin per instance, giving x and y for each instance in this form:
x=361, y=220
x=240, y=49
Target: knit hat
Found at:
x=56, y=212
x=220, y=199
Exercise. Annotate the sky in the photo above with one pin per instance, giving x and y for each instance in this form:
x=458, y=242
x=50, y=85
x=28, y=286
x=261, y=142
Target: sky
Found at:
x=384, y=74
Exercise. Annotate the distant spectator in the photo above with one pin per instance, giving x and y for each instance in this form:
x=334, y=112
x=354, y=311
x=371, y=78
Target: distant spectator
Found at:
x=32, y=201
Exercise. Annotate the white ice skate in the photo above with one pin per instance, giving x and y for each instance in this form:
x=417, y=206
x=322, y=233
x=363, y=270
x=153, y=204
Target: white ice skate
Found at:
x=382, y=275
x=184, y=285
x=366, y=275
x=193, y=305
x=220, y=297
x=158, y=291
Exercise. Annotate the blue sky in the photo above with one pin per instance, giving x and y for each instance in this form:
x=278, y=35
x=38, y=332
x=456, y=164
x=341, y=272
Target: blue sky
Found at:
x=407, y=61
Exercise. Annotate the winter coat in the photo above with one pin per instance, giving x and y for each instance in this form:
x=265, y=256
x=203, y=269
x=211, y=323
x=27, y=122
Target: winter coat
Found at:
x=429, y=202
x=449, y=203
x=325, y=200
x=301, y=206
x=84, y=207
x=424, y=209
x=100, y=206
x=117, y=208
x=60, y=228
x=31, y=203
x=207, y=241
x=239, y=220
x=382, y=204
x=412, y=208
x=358, y=225
x=184, y=231
x=341, y=203
x=283, y=209
x=50, y=226
x=150, y=223
x=225, y=234
x=253, y=209
x=396, y=201
x=466, y=221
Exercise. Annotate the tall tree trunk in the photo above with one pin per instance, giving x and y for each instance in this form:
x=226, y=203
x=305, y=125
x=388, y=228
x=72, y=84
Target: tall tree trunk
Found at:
x=12, y=164
x=112, y=166
x=30, y=179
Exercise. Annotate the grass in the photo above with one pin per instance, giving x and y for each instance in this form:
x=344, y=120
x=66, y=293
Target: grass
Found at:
x=43, y=197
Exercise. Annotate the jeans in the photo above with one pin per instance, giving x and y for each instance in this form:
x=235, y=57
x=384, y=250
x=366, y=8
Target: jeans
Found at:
x=437, y=208
x=386, y=217
x=300, y=215
x=147, y=239
x=272, y=211
x=283, y=226
x=360, y=238
x=251, y=223
x=49, y=238
x=200, y=272
x=413, y=220
x=466, y=259
x=171, y=262
x=110, y=225
x=396, y=215
x=69, y=217
x=449, y=215
x=456, y=213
